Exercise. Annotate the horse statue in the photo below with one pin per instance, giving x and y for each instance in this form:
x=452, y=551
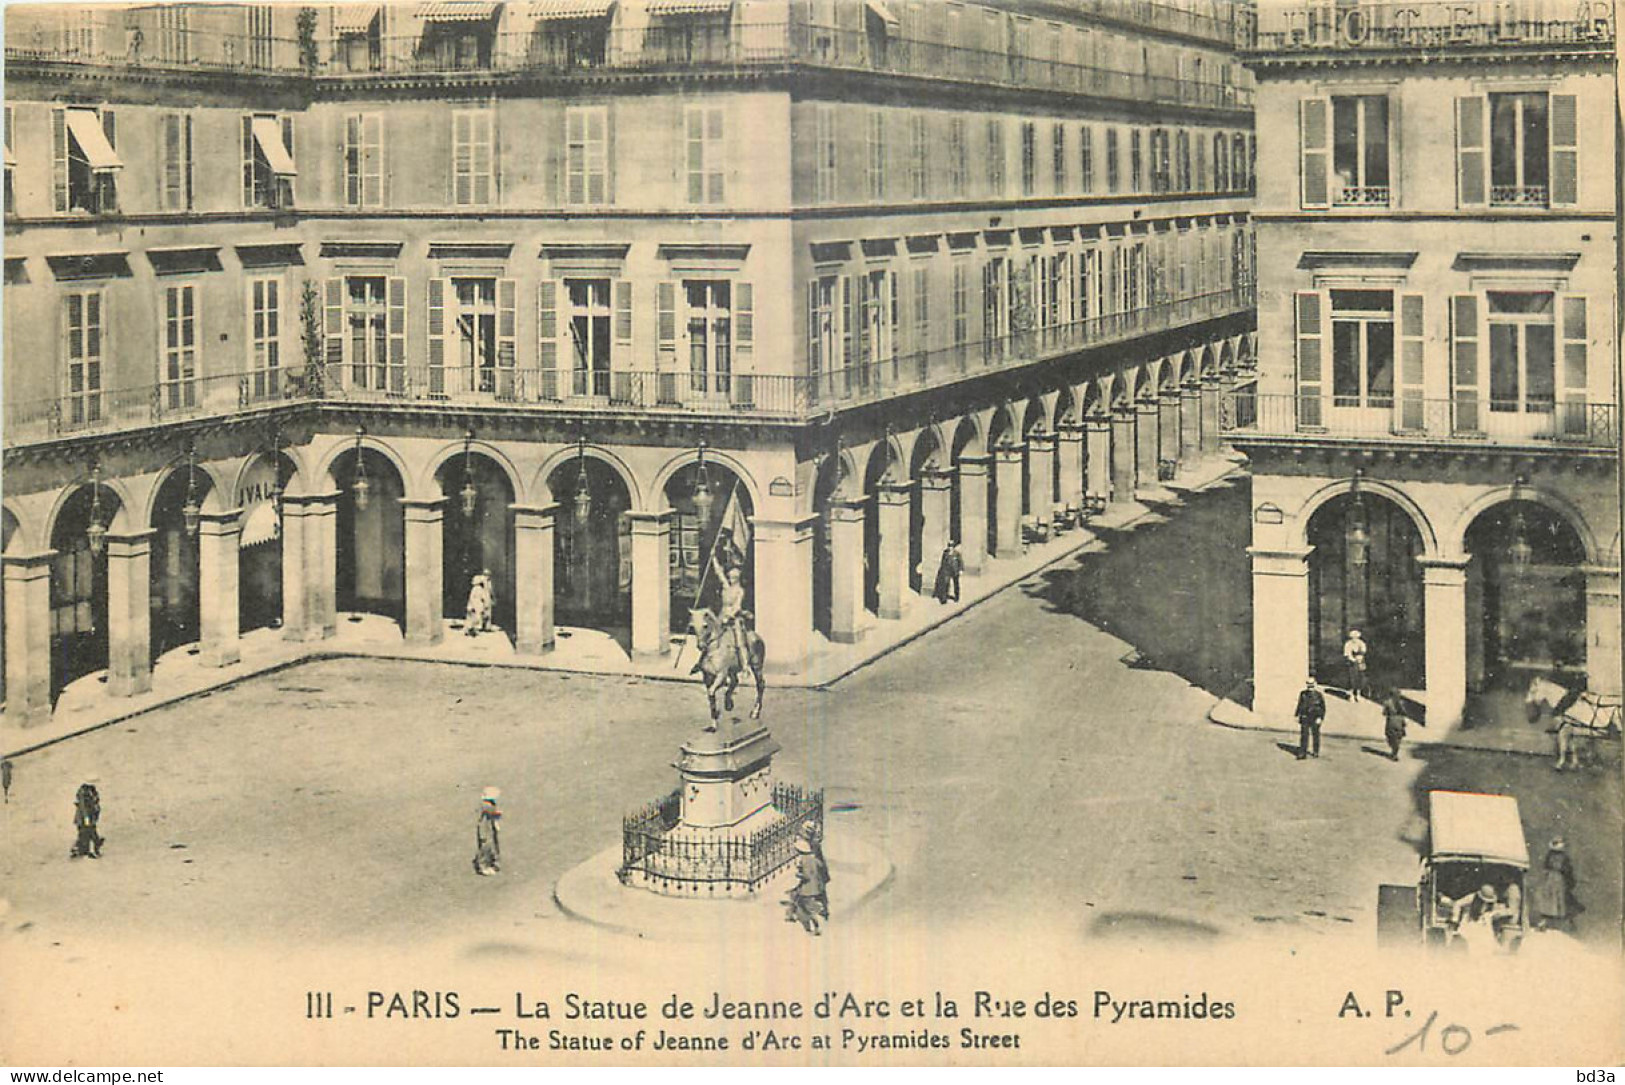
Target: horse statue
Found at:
x=720, y=663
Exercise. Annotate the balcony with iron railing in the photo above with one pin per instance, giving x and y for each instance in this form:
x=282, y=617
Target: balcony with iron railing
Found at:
x=542, y=50
x=1466, y=421
x=743, y=396
x=1407, y=25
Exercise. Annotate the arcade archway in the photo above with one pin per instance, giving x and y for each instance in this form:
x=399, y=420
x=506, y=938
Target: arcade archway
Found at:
x=173, y=567
x=79, y=586
x=1526, y=603
x=711, y=511
x=477, y=535
x=1363, y=574
x=371, y=535
x=592, y=561
x=259, y=542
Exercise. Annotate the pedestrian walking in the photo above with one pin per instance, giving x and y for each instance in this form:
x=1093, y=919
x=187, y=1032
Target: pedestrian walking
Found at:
x=1554, y=889
x=948, y=570
x=1393, y=722
x=5, y=779
x=477, y=614
x=1311, y=711
x=1354, y=653
x=487, y=834
x=808, y=901
x=87, y=814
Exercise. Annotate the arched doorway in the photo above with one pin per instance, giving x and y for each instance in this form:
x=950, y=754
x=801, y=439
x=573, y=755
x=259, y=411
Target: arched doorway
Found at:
x=172, y=571
x=926, y=459
x=964, y=444
x=592, y=563
x=1035, y=422
x=879, y=471
x=259, y=542
x=826, y=489
x=79, y=587
x=371, y=535
x=711, y=509
x=1363, y=574
x=1001, y=431
x=477, y=534
x=1526, y=603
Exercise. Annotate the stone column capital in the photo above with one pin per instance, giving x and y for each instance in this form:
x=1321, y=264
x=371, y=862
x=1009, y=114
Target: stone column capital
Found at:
x=1040, y=441
x=1280, y=562
x=974, y=464
x=650, y=522
x=794, y=529
x=895, y=492
x=533, y=517
x=26, y=566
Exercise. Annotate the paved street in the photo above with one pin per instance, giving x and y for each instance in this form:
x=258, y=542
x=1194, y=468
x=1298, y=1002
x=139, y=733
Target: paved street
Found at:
x=1009, y=763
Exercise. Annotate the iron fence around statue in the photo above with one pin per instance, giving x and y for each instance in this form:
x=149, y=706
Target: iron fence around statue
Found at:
x=676, y=863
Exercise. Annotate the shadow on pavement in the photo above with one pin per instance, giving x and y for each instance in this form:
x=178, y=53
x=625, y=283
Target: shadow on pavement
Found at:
x=1150, y=926
x=1179, y=592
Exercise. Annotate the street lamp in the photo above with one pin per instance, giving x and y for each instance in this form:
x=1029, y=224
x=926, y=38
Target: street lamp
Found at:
x=1523, y=553
x=96, y=530
x=1357, y=537
x=276, y=474
x=191, y=512
x=704, y=499
x=583, y=498
x=470, y=495
x=361, y=488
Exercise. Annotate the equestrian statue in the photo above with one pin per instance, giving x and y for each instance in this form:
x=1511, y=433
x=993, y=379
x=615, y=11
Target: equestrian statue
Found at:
x=728, y=646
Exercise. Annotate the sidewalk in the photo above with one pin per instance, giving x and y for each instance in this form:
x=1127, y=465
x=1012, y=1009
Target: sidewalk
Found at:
x=178, y=675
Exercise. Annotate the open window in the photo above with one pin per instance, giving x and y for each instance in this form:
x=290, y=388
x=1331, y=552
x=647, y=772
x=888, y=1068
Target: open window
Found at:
x=1517, y=150
x=268, y=166
x=355, y=28
x=689, y=31
x=570, y=33
x=458, y=35
x=86, y=164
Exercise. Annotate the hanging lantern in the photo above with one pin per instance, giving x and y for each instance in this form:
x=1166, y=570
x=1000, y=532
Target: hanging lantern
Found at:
x=704, y=499
x=583, y=498
x=276, y=476
x=361, y=488
x=1523, y=554
x=1358, y=536
x=96, y=531
x=191, y=512
x=469, y=493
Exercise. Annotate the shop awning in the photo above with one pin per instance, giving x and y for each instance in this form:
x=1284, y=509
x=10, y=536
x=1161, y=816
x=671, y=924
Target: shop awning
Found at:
x=354, y=18
x=884, y=12
x=690, y=7
x=457, y=11
x=86, y=127
x=260, y=525
x=268, y=134
x=552, y=10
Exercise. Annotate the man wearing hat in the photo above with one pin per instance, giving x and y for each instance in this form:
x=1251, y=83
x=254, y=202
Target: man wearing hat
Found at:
x=1354, y=650
x=1311, y=710
x=487, y=839
x=1478, y=916
x=1554, y=889
x=809, y=898
x=87, y=812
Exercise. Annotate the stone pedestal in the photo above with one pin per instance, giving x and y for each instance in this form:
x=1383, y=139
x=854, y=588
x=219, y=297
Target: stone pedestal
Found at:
x=533, y=527
x=651, y=583
x=218, y=616
x=973, y=511
x=28, y=638
x=727, y=774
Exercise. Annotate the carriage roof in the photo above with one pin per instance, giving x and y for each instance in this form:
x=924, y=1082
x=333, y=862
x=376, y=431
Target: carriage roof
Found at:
x=1480, y=828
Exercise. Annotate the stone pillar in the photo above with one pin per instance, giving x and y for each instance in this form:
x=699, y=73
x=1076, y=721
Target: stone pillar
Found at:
x=129, y=631
x=651, y=583
x=321, y=565
x=892, y=506
x=1007, y=500
x=1168, y=426
x=1148, y=443
x=1190, y=423
x=1602, y=629
x=533, y=578
x=1444, y=609
x=845, y=570
x=973, y=487
x=218, y=617
x=1125, y=449
x=1209, y=394
x=784, y=614
x=1041, y=476
x=293, y=569
x=1069, y=448
x=936, y=501
x=1097, y=437
x=28, y=638
x=1280, y=631
x=425, y=569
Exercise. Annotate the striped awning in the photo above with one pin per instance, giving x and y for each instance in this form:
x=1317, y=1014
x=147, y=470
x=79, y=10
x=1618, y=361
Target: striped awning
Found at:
x=86, y=128
x=354, y=18
x=457, y=11
x=268, y=134
x=690, y=7
x=549, y=10
x=260, y=525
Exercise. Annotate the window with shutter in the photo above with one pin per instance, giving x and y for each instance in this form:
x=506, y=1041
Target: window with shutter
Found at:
x=1472, y=165
x=547, y=337
x=1575, y=365
x=1311, y=324
x=1314, y=145
x=333, y=328
x=1465, y=368
x=507, y=336
x=666, y=340
x=437, y=336
x=397, y=334
x=1412, y=363
x=1565, y=168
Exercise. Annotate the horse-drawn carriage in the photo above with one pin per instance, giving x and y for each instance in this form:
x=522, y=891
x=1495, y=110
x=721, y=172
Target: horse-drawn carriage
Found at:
x=1581, y=718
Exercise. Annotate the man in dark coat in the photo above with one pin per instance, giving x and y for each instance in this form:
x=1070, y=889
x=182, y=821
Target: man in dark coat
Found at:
x=87, y=811
x=1311, y=710
x=1393, y=722
x=809, y=898
x=1554, y=889
x=948, y=570
x=487, y=834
